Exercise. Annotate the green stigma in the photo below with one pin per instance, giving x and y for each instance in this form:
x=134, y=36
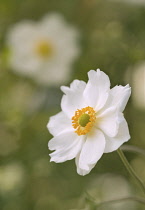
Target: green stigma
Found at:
x=84, y=119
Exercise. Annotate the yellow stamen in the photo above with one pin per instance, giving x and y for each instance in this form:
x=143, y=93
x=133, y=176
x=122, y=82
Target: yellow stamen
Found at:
x=83, y=120
x=43, y=49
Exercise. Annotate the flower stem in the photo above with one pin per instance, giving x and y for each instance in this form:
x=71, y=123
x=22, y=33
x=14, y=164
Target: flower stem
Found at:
x=130, y=169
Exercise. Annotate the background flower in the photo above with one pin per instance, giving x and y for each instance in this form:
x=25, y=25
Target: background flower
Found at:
x=44, y=50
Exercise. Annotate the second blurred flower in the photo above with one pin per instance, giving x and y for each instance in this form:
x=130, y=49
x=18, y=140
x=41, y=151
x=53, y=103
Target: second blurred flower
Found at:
x=43, y=50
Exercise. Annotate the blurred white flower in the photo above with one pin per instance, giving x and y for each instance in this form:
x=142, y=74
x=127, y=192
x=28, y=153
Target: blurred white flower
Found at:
x=91, y=121
x=138, y=85
x=111, y=187
x=43, y=50
x=11, y=177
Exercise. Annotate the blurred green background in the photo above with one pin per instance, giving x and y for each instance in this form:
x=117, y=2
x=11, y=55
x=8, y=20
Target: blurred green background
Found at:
x=112, y=38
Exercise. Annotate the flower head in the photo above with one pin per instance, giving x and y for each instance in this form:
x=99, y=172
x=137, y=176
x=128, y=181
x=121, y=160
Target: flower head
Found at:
x=91, y=121
x=43, y=50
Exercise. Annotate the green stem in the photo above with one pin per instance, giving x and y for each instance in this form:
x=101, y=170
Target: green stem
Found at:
x=130, y=169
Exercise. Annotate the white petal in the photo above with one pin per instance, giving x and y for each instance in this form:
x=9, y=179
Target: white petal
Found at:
x=61, y=140
x=123, y=135
x=80, y=171
x=73, y=99
x=21, y=33
x=107, y=121
x=118, y=97
x=59, y=123
x=92, y=150
x=24, y=64
x=67, y=146
x=96, y=91
x=74, y=86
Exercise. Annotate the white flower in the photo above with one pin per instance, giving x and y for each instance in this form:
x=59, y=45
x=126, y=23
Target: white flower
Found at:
x=43, y=50
x=91, y=121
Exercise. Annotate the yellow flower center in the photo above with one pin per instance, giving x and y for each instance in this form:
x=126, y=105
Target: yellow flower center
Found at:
x=83, y=120
x=43, y=49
